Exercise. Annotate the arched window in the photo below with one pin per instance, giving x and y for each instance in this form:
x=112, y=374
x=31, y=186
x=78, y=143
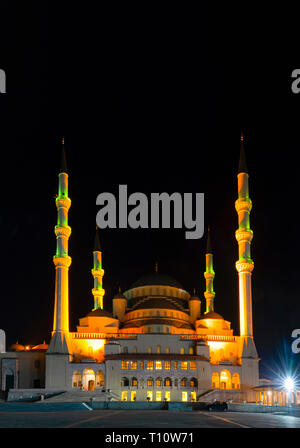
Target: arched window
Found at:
x=182, y=350
x=158, y=382
x=76, y=379
x=183, y=382
x=236, y=381
x=193, y=382
x=191, y=350
x=225, y=379
x=215, y=380
x=149, y=382
x=149, y=350
x=167, y=349
x=125, y=350
x=99, y=379
x=134, y=350
x=134, y=382
x=158, y=349
x=168, y=382
x=124, y=382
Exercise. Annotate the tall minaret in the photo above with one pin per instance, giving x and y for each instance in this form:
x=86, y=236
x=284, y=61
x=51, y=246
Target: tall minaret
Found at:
x=97, y=272
x=244, y=235
x=62, y=261
x=209, y=275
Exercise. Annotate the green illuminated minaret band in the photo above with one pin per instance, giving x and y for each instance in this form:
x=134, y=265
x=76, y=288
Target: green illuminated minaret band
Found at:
x=209, y=275
x=97, y=272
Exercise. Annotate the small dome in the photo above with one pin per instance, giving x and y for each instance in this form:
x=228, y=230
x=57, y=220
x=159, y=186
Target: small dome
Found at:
x=17, y=347
x=42, y=346
x=211, y=315
x=194, y=297
x=119, y=295
x=100, y=313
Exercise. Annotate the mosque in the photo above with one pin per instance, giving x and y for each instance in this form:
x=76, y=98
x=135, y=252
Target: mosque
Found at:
x=160, y=343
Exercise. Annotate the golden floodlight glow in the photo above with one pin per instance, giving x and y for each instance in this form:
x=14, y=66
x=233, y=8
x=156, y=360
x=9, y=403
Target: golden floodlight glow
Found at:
x=96, y=344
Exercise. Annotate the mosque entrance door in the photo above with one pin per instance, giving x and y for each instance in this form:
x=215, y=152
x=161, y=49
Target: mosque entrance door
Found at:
x=91, y=385
x=88, y=381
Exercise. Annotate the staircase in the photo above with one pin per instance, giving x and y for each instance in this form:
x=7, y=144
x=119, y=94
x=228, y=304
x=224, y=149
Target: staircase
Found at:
x=83, y=396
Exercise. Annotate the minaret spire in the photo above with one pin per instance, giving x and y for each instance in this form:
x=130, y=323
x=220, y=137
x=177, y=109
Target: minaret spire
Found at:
x=97, y=272
x=209, y=275
x=62, y=261
x=244, y=235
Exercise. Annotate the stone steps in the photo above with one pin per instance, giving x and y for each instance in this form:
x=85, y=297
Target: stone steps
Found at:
x=83, y=396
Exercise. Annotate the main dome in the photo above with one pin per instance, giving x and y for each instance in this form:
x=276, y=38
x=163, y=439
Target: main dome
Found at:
x=156, y=278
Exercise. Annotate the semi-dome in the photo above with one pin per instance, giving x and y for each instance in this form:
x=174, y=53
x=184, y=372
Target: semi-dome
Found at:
x=100, y=313
x=211, y=315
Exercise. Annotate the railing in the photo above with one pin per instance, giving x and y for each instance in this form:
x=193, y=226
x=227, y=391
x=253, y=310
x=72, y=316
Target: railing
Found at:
x=209, y=338
x=103, y=335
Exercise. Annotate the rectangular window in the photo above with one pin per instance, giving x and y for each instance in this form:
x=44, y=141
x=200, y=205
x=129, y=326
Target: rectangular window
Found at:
x=124, y=395
x=149, y=382
x=133, y=395
x=142, y=365
x=124, y=365
x=149, y=365
x=158, y=382
x=149, y=395
x=175, y=365
x=133, y=365
x=158, y=365
x=158, y=395
x=167, y=365
x=134, y=382
x=184, y=365
x=184, y=396
x=193, y=396
x=193, y=365
x=167, y=395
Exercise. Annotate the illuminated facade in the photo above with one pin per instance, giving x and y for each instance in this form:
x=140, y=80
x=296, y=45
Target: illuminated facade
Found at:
x=156, y=344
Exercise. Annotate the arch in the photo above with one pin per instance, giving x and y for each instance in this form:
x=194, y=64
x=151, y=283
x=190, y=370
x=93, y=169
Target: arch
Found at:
x=167, y=382
x=88, y=380
x=134, y=382
x=76, y=379
x=100, y=379
x=158, y=382
x=183, y=382
x=225, y=379
x=193, y=382
x=149, y=381
x=236, y=381
x=215, y=380
x=124, y=382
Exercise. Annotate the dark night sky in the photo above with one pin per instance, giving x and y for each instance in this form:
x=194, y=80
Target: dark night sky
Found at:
x=156, y=100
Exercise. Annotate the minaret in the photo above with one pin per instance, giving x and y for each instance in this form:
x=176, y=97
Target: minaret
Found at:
x=62, y=262
x=97, y=272
x=209, y=275
x=244, y=235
